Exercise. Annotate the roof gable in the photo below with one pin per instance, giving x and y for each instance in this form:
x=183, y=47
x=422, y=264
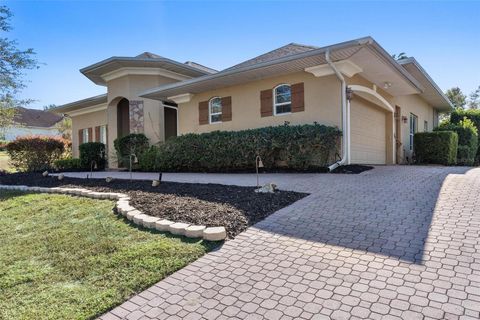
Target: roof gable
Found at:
x=285, y=51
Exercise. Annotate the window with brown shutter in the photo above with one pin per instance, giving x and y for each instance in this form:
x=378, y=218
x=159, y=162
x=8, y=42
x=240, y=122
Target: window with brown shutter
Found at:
x=227, y=109
x=298, y=101
x=97, y=134
x=266, y=103
x=90, y=135
x=203, y=112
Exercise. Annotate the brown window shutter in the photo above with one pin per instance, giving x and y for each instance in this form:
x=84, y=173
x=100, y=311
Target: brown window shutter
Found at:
x=266, y=103
x=203, y=112
x=298, y=100
x=106, y=134
x=227, y=109
x=80, y=136
x=97, y=134
x=90, y=133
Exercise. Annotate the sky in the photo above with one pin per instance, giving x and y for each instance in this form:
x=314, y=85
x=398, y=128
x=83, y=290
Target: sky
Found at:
x=69, y=35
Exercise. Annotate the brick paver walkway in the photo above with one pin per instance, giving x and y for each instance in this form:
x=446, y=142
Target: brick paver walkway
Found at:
x=392, y=243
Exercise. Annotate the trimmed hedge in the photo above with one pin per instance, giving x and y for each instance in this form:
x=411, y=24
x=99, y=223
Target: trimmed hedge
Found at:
x=438, y=147
x=298, y=148
x=467, y=140
x=134, y=143
x=35, y=153
x=472, y=114
x=92, y=151
x=71, y=164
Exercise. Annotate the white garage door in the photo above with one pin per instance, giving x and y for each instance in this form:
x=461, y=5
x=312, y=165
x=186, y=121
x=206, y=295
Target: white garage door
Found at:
x=368, y=134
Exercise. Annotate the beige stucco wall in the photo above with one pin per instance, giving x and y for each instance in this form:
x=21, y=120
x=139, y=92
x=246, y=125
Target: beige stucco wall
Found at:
x=322, y=104
x=425, y=112
x=84, y=121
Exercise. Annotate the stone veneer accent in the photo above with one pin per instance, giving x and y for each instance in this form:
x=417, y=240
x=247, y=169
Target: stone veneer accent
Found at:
x=123, y=207
x=136, y=116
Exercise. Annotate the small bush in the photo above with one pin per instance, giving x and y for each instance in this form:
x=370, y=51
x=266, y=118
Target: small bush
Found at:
x=297, y=148
x=438, y=147
x=134, y=143
x=3, y=145
x=467, y=139
x=71, y=164
x=93, y=152
x=35, y=153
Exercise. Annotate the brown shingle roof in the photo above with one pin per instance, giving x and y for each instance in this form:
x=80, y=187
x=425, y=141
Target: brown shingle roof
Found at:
x=36, y=118
x=287, y=50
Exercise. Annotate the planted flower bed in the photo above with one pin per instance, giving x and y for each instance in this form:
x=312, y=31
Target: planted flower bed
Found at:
x=211, y=205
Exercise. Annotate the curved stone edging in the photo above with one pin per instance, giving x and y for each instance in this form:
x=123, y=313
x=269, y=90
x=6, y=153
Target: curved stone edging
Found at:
x=123, y=207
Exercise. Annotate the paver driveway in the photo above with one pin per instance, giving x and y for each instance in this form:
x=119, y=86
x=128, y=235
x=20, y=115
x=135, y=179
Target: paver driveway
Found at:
x=394, y=242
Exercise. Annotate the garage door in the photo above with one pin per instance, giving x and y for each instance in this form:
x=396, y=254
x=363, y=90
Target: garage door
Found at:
x=368, y=134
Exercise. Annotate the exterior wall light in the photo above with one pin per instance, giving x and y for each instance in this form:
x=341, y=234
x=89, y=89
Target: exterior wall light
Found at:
x=258, y=164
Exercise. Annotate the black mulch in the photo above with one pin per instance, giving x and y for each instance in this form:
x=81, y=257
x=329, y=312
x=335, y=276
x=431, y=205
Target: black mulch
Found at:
x=352, y=169
x=233, y=207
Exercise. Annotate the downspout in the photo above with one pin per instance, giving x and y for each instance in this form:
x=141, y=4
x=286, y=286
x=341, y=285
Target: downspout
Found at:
x=345, y=126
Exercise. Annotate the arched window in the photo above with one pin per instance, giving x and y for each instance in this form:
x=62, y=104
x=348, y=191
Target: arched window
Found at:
x=215, y=110
x=282, y=99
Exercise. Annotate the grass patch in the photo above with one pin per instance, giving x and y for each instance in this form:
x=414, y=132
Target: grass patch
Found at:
x=4, y=165
x=64, y=257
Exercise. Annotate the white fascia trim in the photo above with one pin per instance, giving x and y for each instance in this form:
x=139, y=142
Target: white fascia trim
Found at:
x=386, y=104
x=126, y=71
x=346, y=67
x=181, y=98
x=91, y=109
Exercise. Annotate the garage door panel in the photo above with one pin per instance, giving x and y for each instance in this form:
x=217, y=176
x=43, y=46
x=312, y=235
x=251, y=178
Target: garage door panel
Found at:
x=368, y=133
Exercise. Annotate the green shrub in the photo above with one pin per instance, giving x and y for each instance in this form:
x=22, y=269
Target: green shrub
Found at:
x=3, y=145
x=134, y=143
x=70, y=164
x=438, y=147
x=467, y=139
x=299, y=148
x=35, y=153
x=471, y=114
x=93, y=152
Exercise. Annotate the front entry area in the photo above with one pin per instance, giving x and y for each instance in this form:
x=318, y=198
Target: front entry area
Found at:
x=368, y=132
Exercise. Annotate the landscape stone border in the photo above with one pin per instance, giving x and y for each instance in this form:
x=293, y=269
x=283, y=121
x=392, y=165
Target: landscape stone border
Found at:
x=123, y=207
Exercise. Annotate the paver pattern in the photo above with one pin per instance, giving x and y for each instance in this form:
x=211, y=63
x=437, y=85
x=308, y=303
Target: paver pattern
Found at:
x=391, y=243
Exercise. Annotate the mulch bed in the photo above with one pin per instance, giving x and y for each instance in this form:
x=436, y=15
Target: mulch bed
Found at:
x=233, y=207
x=352, y=169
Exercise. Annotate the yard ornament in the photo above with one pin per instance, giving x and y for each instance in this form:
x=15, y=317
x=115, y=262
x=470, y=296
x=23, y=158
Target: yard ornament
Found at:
x=60, y=176
x=45, y=173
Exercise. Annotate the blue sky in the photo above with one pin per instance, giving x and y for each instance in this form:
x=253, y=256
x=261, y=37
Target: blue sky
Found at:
x=69, y=35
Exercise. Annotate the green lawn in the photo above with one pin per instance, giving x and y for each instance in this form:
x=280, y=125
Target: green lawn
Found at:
x=4, y=162
x=71, y=258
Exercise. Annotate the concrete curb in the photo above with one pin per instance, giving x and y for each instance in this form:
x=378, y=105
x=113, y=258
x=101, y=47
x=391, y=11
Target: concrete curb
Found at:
x=123, y=207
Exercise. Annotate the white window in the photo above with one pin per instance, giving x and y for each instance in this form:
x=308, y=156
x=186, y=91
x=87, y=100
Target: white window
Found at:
x=85, y=136
x=103, y=134
x=215, y=110
x=413, y=128
x=282, y=99
x=425, y=126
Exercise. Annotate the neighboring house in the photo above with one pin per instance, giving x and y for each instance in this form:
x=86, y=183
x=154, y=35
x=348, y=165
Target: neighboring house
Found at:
x=33, y=122
x=379, y=103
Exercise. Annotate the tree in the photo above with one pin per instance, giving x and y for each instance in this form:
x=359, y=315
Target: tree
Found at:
x=474, y=99
x=13, y=63
x=65, y=128
x=456, y=97
x=400, y=56
x=48, y=107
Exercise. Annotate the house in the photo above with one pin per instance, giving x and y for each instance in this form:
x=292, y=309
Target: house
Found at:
x=378, y=102
x=33, y=122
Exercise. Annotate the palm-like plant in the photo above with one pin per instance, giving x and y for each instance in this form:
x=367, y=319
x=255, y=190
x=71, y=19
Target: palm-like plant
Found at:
x=400, y=56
